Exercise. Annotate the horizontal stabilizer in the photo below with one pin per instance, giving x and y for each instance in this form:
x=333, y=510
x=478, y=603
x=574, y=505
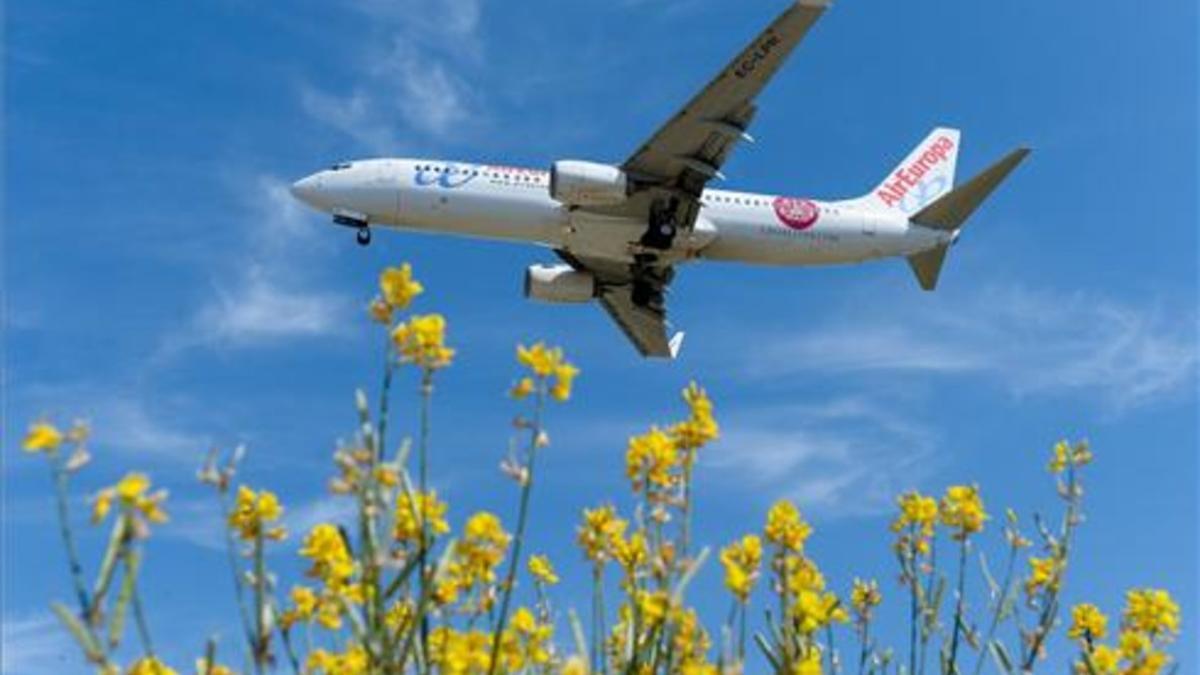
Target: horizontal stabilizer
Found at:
x=951, y=210
x=927, y=265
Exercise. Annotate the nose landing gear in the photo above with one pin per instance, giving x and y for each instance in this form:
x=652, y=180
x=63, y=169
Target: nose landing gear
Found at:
x=362, y=229
x=363, y=236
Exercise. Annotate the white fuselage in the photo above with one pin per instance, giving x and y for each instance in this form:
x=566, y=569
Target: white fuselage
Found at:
x=510, y=203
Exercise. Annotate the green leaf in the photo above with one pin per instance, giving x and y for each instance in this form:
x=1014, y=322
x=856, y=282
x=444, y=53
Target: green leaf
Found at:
x=80, y=632
x=686, y=578
x=581, y=647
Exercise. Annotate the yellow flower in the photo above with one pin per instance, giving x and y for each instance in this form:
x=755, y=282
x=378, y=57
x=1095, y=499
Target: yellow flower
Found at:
x=42, y=437
x=398, y=287
x=532, y=640
x=422, y=341
x=802, y=574
x=1087, y=621
x=252, y=511
x=523, y=388
x=1044, y=573
x=652, y=606
x=414, y=508
x=304, y=605
x=631, y=552
x=815, y=610
x=542, y=570
x=649, y=460
x=331, y=561
x=962, y=510
x=916, y=510
x=1152, y=611
x=564, y=378
x=785, y=527
x=601, y=527
x=353, y=661
x=539, y=358
x=1065, y=454
x=865, y=596
x=741, y=560
x=1105, y=660
x=131, y=492
x=1133, y=644
x=700, y=428
x=482, y=546
x=149, y=665
x=808, y=664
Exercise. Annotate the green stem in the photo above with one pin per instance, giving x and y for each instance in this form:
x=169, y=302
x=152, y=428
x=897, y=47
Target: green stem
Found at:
x=235, y=573
x=958, y=610
x=1005, y=589
x=422, y=479
x=139, y=615
x=535, y=433
x=64, y=528
x=260, y=599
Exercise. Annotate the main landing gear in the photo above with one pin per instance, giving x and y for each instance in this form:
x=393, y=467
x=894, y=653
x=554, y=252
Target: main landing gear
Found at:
x=663, y=226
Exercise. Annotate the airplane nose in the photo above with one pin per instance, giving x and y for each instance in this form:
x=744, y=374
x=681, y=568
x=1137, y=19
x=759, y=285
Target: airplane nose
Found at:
x=307, y=189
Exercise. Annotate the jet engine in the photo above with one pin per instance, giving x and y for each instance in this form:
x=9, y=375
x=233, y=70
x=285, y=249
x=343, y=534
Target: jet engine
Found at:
x=577, y=183
x=559, y=283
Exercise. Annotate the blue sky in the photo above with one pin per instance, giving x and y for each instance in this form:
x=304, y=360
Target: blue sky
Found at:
x=160, y=281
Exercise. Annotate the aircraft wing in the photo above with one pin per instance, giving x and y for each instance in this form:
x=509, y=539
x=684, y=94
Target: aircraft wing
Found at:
x=692, y=146
x=646, y=326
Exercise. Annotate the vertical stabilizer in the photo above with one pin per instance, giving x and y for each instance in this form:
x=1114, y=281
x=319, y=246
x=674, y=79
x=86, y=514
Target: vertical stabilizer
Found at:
x=926, y=174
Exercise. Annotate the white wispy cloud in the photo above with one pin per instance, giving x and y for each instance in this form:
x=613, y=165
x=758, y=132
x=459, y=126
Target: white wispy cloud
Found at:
x=406, y=70
x=36, y=644
x=265, y=295
x=848, y=456
x=1032, y=342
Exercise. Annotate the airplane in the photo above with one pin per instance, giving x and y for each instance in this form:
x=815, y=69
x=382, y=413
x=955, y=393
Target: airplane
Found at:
x=620, y=230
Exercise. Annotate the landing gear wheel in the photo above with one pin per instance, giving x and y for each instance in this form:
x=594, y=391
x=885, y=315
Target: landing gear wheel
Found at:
x=363, y=236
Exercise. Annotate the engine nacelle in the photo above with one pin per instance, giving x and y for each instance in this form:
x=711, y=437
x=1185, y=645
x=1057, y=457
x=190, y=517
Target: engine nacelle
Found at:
x=579, y=183
x=559, y=283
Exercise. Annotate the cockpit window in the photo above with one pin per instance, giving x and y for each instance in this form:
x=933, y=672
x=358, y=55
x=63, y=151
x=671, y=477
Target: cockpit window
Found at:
x=339, y=166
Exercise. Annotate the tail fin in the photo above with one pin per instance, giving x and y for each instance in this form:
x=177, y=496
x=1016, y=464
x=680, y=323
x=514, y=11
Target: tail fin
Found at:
x=950, y=211
x=926, y=174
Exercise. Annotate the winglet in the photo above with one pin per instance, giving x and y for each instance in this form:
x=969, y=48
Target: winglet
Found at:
x=675, y=343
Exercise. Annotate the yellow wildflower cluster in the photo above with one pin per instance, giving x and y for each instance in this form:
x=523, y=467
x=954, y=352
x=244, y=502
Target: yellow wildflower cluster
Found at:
x=397, y=288
x=132, y=493
x=602, y=529
x=864, y=598
x=649, y=460
x=1087, y=623
x=1066, y=454
x=542, y=571
x=1045, y=574
x=814, y=607
x=1149, y=621
x=414, y=509
x=254, y=512
x=352, y=661
x=700, y=428
x=962, y=510
x=42, y=437
x=327, y=551
x=473, y=563
x=786, y=528
x=915, y=522
x=549, y=368
x=741, y=560
x=422, y=341
x=525, y=644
